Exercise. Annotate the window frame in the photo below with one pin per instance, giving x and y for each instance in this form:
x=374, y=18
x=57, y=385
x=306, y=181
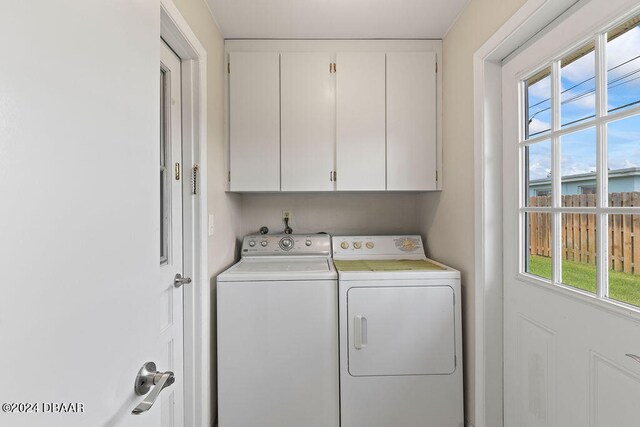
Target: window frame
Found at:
x=602, y=210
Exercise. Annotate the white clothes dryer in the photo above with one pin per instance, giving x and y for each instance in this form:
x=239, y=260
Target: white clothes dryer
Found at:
x=278, y=334
x=400, y=334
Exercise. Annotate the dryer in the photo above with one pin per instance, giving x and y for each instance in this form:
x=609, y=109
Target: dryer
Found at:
x=400, y=334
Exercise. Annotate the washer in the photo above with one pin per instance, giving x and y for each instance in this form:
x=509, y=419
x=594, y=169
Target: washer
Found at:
x=277, y=312
x=400, y=334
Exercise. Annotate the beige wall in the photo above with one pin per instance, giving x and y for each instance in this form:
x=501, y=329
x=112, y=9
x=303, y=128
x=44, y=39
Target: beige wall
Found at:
x=332, y=213
x=225, y=207
x=448, y=219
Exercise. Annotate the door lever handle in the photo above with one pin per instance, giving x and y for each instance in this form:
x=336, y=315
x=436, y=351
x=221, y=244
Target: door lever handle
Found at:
x=146, y=378
x=634, y=357
x=178, y=280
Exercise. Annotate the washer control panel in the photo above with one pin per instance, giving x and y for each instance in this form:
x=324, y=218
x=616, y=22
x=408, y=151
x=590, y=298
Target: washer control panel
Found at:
x=286, y=244
x=377, y=246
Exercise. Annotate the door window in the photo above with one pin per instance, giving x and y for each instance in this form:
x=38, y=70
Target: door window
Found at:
x=580, y=157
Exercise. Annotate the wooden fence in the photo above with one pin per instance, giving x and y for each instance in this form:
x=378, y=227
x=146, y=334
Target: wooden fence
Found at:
x=579, y=231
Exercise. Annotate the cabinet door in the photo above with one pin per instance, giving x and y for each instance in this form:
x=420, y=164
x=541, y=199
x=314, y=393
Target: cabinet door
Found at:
x=411, y=121
x=308, y=122
x=360, y=121
x=254, y=121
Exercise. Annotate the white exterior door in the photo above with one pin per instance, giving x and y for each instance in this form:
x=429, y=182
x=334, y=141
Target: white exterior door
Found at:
x=84, y=296
x=571, y=289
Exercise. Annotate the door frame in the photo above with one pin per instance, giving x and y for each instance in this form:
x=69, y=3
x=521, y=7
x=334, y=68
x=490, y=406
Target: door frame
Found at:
x=175, y=31
x=531, y=21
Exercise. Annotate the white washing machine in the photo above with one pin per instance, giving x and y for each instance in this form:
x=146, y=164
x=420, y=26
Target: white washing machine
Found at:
x=400, y=334
x=278, y=334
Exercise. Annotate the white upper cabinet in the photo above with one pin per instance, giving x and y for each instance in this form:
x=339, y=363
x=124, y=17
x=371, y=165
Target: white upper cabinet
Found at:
x=333, y=115
x=411, y=121
x=254, y=121
x=360, y=121
x=307, y=122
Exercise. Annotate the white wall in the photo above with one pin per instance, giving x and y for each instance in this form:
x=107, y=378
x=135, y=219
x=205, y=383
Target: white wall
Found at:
x=332, y=213
x=225, y=207
x=447, y=217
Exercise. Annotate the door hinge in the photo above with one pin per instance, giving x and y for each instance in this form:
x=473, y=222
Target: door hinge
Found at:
x=335, y=176
x=332, y=67
x=436, y=67
x=228, y=67
x=436, y=176
x=229, y=177
x=194, y=183
x=177, y=170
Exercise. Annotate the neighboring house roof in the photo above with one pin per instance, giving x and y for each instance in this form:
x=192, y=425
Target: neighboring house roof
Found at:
x=590, y=176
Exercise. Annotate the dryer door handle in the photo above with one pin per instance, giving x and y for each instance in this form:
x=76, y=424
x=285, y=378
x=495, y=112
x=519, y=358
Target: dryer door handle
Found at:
x=359, y=332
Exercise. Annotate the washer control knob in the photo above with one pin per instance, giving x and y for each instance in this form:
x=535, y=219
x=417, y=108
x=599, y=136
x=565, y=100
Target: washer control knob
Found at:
x=344, y=245
x=264, y=243
x=369, y=245
x=286, y=243
x=252, y=243
x=357, y=245
x=308, y=243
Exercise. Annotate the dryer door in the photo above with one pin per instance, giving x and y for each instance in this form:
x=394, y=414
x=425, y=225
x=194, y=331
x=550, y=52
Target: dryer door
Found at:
x=401, y=330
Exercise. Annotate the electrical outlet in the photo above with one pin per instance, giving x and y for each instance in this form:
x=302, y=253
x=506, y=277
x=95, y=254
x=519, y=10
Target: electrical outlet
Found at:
x=287, y=214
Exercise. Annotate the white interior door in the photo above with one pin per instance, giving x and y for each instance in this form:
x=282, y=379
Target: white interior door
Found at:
x=172, y=178
x=571, y=285
x=82, y=284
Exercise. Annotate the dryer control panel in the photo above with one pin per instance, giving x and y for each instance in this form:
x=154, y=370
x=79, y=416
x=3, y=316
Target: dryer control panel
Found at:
x=286, y=244
x=378, y=247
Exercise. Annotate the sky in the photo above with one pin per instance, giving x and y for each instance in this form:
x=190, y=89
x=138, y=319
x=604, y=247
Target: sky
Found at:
x=578, y=103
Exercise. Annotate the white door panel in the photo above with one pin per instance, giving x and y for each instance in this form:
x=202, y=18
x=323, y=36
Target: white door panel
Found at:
x=307, y=122
x=171, y=301
x=401, y=331
x=360, y=121
x=564, y=352
x=254, y=121
x=79, y=128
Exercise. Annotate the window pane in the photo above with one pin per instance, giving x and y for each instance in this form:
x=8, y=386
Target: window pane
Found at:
x=538, y=178
x=578, y=164
x=538, y=245
x=623, y=66
x=578, y=86
x=164, y=178
x=579, y=251
x=623, y=162
x=624, y=258
x=538, y=100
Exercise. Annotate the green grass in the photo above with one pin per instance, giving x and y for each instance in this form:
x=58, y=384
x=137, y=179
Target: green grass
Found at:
x=622, y=286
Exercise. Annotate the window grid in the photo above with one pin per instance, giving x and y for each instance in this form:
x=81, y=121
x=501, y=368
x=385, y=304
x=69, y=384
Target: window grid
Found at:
x=602, y=210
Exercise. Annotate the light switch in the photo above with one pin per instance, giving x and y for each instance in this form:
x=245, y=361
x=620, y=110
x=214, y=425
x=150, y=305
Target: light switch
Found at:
x=210, y=224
